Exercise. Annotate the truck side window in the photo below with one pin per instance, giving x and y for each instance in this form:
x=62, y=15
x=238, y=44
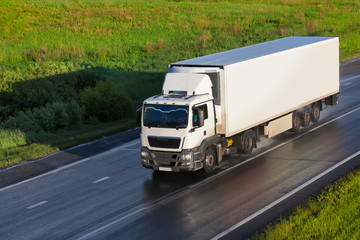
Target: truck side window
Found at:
x=195, y=114
x=195, y=118
x=204, y=108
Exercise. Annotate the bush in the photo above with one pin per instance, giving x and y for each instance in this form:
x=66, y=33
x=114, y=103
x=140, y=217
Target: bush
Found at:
x=106, y=101
x=49, y=118
x=22, y=121
x=5, y=111
x=26, y=94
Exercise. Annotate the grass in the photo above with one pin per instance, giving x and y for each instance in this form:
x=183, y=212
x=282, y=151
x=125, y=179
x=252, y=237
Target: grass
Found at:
x=132, y=43
x=15, y=147
x=333, y=214
x=68, y=138
x=22, y=153
x=122, y=33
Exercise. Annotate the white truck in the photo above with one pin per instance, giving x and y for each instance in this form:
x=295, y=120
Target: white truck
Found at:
x=223, y=103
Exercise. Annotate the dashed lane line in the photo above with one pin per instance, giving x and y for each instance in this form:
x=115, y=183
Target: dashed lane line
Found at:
x=101, y=179
x=37, y=204
x=183, y=191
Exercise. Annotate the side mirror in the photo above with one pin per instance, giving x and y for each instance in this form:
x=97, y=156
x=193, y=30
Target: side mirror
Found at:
x=138, y=115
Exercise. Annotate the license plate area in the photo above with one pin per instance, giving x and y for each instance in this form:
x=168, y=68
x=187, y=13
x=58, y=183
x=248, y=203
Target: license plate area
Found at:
x=166, y=169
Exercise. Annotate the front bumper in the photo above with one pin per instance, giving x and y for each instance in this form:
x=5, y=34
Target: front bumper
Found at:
x=186, y=160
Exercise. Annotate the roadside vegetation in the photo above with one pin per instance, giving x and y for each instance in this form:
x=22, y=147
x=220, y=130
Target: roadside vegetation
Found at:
x=79, y=68
x=333, y=214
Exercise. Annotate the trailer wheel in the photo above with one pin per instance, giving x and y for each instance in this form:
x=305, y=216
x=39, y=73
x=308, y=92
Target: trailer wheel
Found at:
x=249, y=141
x=315, y=112
x=210, y=160
x=306, y=117
x=296, y=121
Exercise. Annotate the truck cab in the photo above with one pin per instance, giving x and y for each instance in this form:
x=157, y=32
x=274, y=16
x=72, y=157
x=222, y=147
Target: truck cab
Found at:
x=177, y=123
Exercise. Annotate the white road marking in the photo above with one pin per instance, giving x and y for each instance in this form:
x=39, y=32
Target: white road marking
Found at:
x=37, y=205
x=182, y=191
x=252, y=216
x=45, y=174
x=345, y=80
x=270, y=149
x=95, y=232
x=347, y=83
x=345, y=114
x=123, y=146
x=101, y=179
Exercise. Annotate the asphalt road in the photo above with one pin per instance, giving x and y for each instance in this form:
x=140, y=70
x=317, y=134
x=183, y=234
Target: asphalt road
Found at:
x=111, y=196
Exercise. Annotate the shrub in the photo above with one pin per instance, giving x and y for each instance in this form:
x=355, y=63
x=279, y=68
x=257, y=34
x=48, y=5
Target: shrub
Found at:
x=5, y=111
x=49, y=118
x=106, y=101
x=26, y=94
x=22, y=121
x=59, y=115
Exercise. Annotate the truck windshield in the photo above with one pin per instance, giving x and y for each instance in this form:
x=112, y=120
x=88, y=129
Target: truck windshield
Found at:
x=165, y=116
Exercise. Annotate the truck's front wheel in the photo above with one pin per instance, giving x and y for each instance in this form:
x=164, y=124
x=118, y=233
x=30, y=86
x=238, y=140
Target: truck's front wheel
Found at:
x=210, y=160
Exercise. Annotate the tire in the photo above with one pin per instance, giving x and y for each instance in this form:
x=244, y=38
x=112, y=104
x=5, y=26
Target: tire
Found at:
x=210, y=160
x=306, y=117
x=296, y=121
x=315, y=112
x=249, y=142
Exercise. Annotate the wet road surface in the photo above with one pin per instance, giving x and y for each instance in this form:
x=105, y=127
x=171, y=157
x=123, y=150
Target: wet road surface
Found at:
x=111, y=196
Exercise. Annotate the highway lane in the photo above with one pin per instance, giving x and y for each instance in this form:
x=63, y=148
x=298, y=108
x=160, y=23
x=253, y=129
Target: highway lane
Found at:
x=110, y=195
x=224, y=201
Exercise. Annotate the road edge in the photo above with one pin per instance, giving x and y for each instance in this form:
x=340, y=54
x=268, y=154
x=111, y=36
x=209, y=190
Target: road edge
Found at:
x=17, y=173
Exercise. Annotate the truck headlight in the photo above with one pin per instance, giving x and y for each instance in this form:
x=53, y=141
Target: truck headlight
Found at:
x=186, y=158
x=145, y=154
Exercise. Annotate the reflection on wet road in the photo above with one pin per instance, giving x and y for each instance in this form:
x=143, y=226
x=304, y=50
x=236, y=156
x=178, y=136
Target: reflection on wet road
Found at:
x=111, y=196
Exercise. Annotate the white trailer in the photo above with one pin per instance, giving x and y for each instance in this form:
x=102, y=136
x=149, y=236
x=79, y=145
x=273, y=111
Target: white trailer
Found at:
x=237, y=96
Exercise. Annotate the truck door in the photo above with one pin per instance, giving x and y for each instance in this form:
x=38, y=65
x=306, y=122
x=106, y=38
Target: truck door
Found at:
x=203, y=121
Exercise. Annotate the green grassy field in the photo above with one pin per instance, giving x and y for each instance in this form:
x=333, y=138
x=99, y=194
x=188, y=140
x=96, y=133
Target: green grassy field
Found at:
x=333, y=214
x=56, y=57
x=53, y=54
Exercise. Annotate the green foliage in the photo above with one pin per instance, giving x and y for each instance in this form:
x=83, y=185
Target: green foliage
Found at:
x=49, y=118
x=65, y=87
x=51, y=51
x=20, y=154
x=334, y=214
x=144, y=35
x=10, y=138
x=107, y=102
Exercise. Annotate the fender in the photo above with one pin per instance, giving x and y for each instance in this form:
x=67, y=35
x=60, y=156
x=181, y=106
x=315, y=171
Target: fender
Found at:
x=208, y=142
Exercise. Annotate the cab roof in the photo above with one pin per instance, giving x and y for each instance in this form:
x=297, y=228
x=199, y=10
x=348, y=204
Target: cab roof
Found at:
x=176, y=99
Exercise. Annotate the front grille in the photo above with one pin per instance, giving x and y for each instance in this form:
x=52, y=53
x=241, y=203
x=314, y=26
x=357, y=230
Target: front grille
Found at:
x=163, y=142
x=165, y=163
x=164, y=158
